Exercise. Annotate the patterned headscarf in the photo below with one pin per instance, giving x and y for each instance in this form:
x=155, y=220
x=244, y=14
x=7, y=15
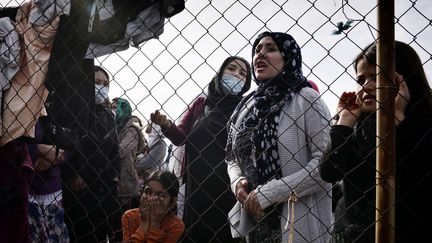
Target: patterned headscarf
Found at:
x=257, y=136
x=291, y=75
x=123, y=112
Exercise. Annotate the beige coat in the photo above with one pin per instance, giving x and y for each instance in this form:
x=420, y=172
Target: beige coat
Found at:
x=131, y=141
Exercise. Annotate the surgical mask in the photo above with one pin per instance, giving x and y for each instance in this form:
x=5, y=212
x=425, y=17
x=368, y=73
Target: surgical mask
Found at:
x=231, y=84
x=101, y=93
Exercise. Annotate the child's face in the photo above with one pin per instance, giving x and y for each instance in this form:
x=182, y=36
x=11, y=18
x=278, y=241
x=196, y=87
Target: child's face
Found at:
x=154, y=188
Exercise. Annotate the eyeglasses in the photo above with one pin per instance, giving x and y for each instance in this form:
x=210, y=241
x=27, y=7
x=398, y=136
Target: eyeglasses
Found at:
x=148, y=191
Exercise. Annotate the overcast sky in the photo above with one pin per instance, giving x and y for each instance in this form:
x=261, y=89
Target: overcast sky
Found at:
x=170, y=72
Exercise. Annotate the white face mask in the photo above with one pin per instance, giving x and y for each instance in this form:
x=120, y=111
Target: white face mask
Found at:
x=231, y=84
x=101, y=93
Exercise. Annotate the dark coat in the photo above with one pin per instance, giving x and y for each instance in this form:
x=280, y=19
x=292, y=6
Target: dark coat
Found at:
x=354, y=163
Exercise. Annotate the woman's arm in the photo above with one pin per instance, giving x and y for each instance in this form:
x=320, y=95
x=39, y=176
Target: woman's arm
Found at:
x=315, y=117
x=340, y=157
x=177, y=133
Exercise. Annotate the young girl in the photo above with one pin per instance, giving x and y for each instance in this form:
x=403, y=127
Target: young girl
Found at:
x=154, y=220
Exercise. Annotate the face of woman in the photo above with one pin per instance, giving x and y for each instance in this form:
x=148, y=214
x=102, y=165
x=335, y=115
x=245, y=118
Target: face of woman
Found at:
x=366, y=89
x=237, y=69
x=267, y=60
x=114, y=105
x=155, y=188
x=101, y=79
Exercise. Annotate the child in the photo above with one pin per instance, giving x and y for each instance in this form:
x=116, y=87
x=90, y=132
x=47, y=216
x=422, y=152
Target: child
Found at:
x=154, y=220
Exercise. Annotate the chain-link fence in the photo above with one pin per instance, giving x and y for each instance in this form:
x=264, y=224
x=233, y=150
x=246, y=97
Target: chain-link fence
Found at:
x=66, y=146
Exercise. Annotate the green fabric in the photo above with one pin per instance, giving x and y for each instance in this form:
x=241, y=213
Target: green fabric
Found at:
x=123, y=112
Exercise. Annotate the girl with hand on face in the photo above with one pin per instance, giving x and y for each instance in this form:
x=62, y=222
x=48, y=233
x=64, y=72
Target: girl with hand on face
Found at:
x=154, y=220
x=203, y=131
x=275, y=141
x=352, y=154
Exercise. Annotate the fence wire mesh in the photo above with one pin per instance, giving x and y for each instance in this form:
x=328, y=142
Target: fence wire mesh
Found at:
x=77, y=142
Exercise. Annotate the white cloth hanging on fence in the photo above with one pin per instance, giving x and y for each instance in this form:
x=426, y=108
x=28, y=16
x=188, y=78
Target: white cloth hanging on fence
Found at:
x=9, y=54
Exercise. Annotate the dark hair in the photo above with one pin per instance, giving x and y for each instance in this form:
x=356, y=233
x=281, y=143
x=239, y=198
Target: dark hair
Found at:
x=408, y=64
x=168, y=180
x=100, y=69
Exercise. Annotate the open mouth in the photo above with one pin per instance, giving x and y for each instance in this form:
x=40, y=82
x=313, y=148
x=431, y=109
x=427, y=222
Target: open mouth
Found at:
x=260, y=65
x=369, y=98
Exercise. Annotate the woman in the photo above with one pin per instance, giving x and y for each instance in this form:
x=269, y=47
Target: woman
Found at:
x=130, y=142
x=274, y=146
x=154, y=221
x=90, y=176
x=351, y=156
x=203, y=130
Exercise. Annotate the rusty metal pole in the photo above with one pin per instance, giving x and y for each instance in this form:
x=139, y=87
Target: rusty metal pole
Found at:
x=385, y=153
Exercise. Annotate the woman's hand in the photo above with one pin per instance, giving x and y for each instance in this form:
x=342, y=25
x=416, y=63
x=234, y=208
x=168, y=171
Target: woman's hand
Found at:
x=49, y=153
x=253, y=206
x=348, y=109
x=41, y=164
x=402, y=98
x=160, y=119
x=241, y=190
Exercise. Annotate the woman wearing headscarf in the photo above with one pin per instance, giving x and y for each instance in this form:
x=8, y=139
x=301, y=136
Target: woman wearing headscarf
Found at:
x=276, y=138
x=130, y=142
x=203, y=131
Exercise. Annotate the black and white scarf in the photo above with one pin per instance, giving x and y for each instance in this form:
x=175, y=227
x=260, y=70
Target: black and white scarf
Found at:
x=257, y=136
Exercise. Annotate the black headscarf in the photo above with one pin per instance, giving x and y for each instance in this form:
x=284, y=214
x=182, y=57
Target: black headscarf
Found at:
x=217, y=100
x=210, y=127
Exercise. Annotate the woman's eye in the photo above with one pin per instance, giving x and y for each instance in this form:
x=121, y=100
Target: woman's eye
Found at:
x=161, y=195
x=363, y=81
x=272, y=49
x=148, y=191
